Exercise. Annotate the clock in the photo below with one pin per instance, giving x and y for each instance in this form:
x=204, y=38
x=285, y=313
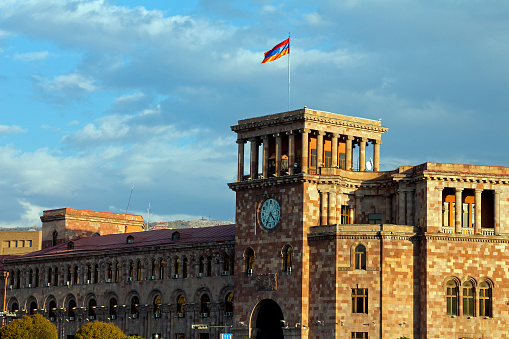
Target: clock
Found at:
x=270, y=213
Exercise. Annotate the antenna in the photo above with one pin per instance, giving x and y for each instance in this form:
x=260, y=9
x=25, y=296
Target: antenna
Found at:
x=148, y=218
x=130, y=195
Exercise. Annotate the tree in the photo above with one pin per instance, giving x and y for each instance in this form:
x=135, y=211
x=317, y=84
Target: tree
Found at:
x=134, y=337
x=34, y=326
x=99, y=330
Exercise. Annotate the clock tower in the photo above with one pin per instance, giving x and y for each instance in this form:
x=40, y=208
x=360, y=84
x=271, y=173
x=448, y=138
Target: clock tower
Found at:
x=297, y=163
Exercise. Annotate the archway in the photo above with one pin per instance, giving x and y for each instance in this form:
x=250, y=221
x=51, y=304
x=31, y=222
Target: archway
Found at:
x=268, y=320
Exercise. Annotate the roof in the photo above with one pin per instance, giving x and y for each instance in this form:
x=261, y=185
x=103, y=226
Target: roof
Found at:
x=116, y=242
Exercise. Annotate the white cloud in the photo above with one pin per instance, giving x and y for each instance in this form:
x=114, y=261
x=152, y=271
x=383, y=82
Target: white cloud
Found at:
x=129, y=98
x=70, y=82
x=31, y=56
x=4, y=129
x=29, y=216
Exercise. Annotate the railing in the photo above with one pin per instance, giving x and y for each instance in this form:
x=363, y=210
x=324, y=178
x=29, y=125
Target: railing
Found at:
x=446, y=229
x=488, y=231
x=467, y=230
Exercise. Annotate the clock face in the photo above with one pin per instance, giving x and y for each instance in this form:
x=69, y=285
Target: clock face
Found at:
x=270, y=213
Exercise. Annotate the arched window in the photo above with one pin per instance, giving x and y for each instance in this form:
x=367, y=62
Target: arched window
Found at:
x=70, y=245
x=55, y=237
x=288, y=258
x=226, y=265
x=484, y=299
x=138, y=270
x=113, y=308
x=50, y=275
x=360, y=257
x=228, y=305
x=201, y=266
x=36, y=277
x=76, y=271
x=33, y=308
x=131, y=270
x=117, y=272
x=130, y=239
x=135, y=301
x=110, y=272
x=468, y=299
x=52, y=307
x=11, y=276
x=452, y=298
x=249, y=260
x=181, y=300
x=71, y=310
x=96, y=274
x=175, y=236
x=154, y=268
x=18, y=278
x=209, y=266
x=184, y=268
x=177, y=267
x=157, y=306
x=55, y=277
x=92, y=305
x=30, y=277
x=89, y=273
x=14, y=307
x=69, y=274
x=161, y=269
x=204, y=305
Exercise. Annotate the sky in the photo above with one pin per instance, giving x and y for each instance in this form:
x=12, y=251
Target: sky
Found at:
x=98, y=97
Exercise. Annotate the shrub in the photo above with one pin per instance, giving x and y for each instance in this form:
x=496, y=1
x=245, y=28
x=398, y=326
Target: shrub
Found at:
x=99, y=330
x=34, y=326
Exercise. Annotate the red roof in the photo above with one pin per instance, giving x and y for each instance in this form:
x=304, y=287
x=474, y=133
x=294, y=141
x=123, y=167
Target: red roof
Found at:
x=115, y=242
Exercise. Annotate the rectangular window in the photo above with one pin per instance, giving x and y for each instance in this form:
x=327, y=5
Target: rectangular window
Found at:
x=22, y=243
x=359, y=335
x=345, y=215
x=468, y=302
x=15, y=243
x=342, y=160
x=7, y=243
x=360, y=300
x=445, y=214
x=313, y=158
x=328, y=159
x=375, y=218
x=29, y=243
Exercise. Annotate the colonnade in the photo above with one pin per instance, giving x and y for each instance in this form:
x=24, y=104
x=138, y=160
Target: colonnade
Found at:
x=275, y=141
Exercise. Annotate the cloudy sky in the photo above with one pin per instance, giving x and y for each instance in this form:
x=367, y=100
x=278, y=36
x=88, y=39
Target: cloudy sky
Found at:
x=96, y=96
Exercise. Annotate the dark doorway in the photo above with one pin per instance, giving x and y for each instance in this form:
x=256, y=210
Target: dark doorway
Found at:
x=269, y=320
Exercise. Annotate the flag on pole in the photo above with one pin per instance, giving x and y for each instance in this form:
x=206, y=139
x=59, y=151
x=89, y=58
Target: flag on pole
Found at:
x=278, y=51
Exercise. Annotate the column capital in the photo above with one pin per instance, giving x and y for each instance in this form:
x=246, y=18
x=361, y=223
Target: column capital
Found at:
x=478, y=190
x=278, y=134
x=349, y=137
x=241, y=141
x=376, y=142
x=458, y=189
x=363, y=139
x=254, y=139
x=320, y=132
x=304, y=130
x=265, y=137
x=290, y=132
x=335, y=135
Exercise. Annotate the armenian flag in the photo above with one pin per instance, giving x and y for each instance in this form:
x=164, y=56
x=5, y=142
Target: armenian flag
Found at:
x=278, y=51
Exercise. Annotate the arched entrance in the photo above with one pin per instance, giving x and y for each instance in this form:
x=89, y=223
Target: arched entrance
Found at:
x=267, y=320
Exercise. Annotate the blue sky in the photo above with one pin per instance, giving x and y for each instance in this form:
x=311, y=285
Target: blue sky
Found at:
x=98, y=95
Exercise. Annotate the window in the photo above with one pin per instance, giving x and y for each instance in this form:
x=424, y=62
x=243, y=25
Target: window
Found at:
x=14, y=308
x=468, y=299
x=76, y=270
x=204, y=304
x=138, y=270
x=313, y=158
x=209, y=266
x=110, y=271
x=52, y=308
x=177, y=266
x=345, y=215
x=452, y=298
x=55, y=277
x=36, y=282
x=468, y=211
x=18, y=278
x=117, y=272
x=29, y=243
x=181, y=300
x=96, y=274
x=89, y=273
x=130, y=239
x=342, y=160
x=70, y=245
x=228, y=304
x=359, y=300
x=484, y=299
x=287, y=258
x=226, y=263
x=33, y=308
x=157, y=306
x=184, y=268
x=249, y=259
x=161, y=269
x=131, y=270
x=69, y=274
x=113, y=308
x=50, y=274
x=328, y=159
x=201, y=265
x=55, y=237
x=71, y=310
x=8, y=243
x=375, y=218
x=30, y=276
x=359, y=335
x=175, y=236
x=135, y=301
x=448, y=209
x=22, y=243
x=154, y=267
x=92, y=305
x=360, y=257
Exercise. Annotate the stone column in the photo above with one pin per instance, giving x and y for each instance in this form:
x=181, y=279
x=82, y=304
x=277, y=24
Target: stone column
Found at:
x=458, y=209
x=278, y=153
x=319, y=150
x=401, y=207
x=477, y=201
x=265, y=163
x=362, y=154
x=291, y=152
x=439, y=220
x=349, y=151
x=254, y=159
x=240, y=166
x=331, y=209
x=376, y=155
x=496, y=213
x=334, y=150
x=305, y=150
x=358, y=208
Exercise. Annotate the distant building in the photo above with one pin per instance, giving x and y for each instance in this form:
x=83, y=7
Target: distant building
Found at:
x=17, y=243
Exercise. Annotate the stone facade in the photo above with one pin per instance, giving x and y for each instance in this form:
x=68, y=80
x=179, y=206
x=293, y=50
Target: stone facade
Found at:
x=16, y=243
x=376, y=254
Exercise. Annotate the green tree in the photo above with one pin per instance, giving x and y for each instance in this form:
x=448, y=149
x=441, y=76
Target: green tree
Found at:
x=134, y=337
x=99, y=330
x=34, y=326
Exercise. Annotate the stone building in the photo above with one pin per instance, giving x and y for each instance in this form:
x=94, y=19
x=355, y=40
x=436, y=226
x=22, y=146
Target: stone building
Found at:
x=22, y=242
x=325, y=245
x=324, y=251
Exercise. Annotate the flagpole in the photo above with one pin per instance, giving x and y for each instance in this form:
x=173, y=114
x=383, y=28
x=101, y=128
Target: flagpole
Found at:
x=289, y=71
